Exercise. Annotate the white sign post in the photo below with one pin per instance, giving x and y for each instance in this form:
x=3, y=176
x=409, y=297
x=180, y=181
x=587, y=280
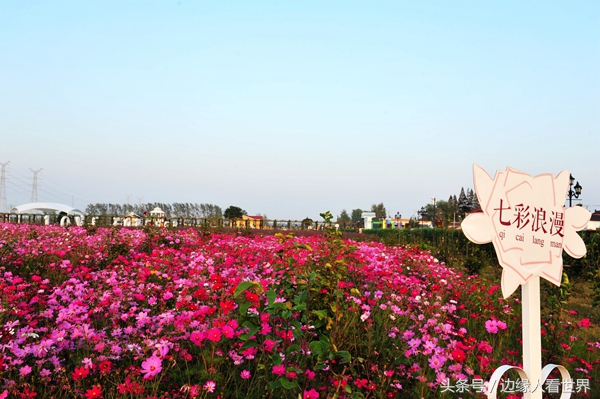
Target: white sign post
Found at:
x=525, y=219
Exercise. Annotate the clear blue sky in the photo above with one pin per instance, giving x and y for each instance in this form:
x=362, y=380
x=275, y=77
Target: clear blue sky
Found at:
x=290, y=108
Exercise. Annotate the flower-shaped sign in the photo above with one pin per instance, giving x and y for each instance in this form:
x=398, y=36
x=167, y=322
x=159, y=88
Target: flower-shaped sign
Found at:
x=524, y=217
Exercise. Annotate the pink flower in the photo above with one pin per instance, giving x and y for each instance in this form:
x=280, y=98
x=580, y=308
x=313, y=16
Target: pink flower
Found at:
x=245, y=374
x=25, y=370
x=310, y=374
x=270, y=345
x=312, y=394
x=210, y=386
x=265, y=329
x=197, y=337
x=585, y=323
x=151, y=367
x=228, y=332
x=214, y=335
x=279, y=370
x=436, y=361
x=491, y=327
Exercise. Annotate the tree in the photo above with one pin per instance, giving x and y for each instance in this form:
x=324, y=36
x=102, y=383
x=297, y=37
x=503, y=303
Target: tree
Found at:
x=234, y=212
x=475, y=202
x=344, y=217
x=463, y=203
x=379, y=210
x=356, y=215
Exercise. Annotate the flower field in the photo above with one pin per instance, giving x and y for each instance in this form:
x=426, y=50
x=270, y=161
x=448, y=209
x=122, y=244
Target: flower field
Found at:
x=157, y=313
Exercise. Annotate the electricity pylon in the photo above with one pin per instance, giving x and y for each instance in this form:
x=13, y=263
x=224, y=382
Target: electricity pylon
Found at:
x=34, y=197
x=3, y=203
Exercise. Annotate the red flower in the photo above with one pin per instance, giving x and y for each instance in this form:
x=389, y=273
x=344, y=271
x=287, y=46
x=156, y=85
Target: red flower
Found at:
x=227, y=306
x=80, y=373
x=251, y=296
x=95, y=392
x=105, y=367
x=458, y=355
x=361, y=383
x=27, y=394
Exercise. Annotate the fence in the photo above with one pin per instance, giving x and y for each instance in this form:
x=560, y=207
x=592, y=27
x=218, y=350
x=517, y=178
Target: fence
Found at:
x=128, y=221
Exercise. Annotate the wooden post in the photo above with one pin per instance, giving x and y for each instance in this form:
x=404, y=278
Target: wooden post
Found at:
x=532, y=337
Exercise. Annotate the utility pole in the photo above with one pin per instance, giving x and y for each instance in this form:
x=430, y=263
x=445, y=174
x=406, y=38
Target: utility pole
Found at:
x=3, y=203
x=34, y=197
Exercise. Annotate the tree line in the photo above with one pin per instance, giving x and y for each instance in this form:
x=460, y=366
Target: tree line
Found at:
x=443, y=212
x=355, y=216
x=454, y=210
x=176, y=209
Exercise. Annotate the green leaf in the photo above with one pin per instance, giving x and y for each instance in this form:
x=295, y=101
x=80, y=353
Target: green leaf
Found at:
x=287, y=384
x=249, y=344
x=345, y=355
x=253, y=330
x=243, y=286
x=292, y=348
x=271, y=295
x=321, y=314
x=316, y=347
x=276, y=359
x=275, y=384
x=300, y=299
x=244, y=308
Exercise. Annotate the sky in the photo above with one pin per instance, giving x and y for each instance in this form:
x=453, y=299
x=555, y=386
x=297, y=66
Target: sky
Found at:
x=289, y=109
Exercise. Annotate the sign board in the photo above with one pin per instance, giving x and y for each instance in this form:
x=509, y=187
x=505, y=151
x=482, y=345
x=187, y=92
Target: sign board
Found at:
x=525, y=219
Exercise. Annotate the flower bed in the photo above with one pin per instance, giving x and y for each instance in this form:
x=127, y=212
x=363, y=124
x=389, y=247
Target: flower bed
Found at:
x=123, y=313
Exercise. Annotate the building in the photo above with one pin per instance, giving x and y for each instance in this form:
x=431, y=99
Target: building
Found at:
x=594, y=223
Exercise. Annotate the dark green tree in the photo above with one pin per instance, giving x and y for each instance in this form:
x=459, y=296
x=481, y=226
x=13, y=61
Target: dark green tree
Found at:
x=234, y=212
x=379, y=210
x=344, y=217
x=463, y=203
x=356, y=215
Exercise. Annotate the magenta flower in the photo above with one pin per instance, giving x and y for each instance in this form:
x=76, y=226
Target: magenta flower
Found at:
x=270, y=345
x=151, y=367
x=245, y=374
x=25, y=370
x=279, y=370
x=197, y=337
x=228, y=332
x=312, y=394
x=214, y=335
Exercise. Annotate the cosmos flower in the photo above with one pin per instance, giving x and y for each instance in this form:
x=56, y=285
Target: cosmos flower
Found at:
x=151, y=367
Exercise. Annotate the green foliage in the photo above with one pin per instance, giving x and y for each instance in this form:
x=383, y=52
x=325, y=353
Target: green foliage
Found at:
x=234, y=212
x=344, y=217
x=379, y=209
x=356, y=215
